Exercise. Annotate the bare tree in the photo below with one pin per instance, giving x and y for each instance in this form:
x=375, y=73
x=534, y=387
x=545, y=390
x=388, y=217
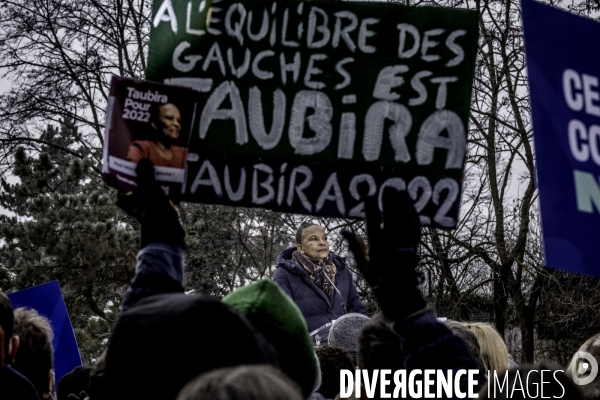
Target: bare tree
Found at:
x=499, y=191
x=496, y=249
x=59, y=56
x=230, y=247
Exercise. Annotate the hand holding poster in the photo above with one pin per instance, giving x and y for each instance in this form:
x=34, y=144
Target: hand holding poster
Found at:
x=147, y=120
x=308, y=107
x=562, y=65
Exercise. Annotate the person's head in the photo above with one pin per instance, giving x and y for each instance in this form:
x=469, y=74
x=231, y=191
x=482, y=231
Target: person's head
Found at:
x=248, y=382
x=580, y=368
x=74, y=382
x=165, y=340
x=345, y=330
x=274, y=314
x=311, y=240
x=35, y=356
x=333, y=359
x=542, y=380
x=9, y=344
x=469, y=338
x=493, y=349
x=166, y=120
x=379, y=346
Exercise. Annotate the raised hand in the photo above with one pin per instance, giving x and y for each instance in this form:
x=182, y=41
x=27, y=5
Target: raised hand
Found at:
x=390, y=260
x=152, y=208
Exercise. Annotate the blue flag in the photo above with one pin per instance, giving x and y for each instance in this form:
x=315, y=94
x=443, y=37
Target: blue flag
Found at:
x=563, y=65
x=48, y=301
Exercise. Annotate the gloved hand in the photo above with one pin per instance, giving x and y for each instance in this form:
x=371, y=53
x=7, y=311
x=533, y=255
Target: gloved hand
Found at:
x=389, y=263
x=152, y=208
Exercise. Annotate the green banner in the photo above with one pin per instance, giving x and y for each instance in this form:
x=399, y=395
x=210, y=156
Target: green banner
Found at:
x=307, y=107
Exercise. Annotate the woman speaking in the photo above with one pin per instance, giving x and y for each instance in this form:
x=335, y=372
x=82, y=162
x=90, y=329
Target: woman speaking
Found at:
x=317, y=280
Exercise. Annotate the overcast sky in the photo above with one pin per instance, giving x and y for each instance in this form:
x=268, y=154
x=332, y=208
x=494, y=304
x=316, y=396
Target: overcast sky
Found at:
x=4, y=85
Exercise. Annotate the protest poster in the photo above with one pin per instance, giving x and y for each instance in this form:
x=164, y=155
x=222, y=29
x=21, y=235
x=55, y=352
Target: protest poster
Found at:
x=147, y=120
x=48, y=301
x=562, y=67
x=308, y=107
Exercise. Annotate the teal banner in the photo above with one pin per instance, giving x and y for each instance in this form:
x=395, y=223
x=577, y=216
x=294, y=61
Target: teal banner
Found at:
x=308, y=107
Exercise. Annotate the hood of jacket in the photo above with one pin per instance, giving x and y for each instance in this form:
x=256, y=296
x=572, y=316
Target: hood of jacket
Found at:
x=285, y=260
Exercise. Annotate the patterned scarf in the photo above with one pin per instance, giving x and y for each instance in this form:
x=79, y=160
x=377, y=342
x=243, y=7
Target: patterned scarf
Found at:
x=316, y=271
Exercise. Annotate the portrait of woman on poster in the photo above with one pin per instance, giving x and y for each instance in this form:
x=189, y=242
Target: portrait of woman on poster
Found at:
x=165, y=123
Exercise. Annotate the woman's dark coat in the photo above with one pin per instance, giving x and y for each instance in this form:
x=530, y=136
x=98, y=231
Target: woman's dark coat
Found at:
x=317, y=309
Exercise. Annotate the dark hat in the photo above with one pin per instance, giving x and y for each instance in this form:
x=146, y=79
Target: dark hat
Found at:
x=276, y=316
x=165, y=340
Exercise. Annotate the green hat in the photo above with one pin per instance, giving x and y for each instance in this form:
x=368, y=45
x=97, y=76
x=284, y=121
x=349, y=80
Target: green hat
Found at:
x=275, y=315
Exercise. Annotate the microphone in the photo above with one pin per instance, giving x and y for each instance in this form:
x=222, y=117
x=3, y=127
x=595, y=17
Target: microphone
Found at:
x=344, y=310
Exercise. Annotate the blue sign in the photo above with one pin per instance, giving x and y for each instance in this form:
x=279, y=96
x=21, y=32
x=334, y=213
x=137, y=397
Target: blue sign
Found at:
x=48, y=301
x=563, y=65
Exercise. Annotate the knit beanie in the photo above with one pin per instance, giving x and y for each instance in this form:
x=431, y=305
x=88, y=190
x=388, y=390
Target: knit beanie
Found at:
x=274, y=314
x=345, y=330
x=165, y=340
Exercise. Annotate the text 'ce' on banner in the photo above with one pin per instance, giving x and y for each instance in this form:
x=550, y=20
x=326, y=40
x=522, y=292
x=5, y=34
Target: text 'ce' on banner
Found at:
x=308, y=107
x=562, y=65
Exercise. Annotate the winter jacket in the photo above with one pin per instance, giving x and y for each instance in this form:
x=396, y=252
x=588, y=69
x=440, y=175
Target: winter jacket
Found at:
x=14, y=386
x=317, y=309
x=429, y=344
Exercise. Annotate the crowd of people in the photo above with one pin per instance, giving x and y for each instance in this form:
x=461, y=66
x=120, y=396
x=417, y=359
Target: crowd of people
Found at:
x=256, y=343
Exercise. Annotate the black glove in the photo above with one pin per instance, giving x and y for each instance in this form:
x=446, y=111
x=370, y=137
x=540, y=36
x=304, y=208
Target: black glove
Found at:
x=389, y=264
x=149, y=204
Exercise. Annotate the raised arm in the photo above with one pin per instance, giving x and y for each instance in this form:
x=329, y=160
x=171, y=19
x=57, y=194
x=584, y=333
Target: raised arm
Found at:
x=389, y=266
x=160, y=260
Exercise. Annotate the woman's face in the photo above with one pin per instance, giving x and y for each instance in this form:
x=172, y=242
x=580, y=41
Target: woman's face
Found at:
x=170, y=120
x=314, y=243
